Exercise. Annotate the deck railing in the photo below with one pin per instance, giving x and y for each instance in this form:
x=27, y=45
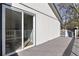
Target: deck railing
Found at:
x=77, y=33
x=16, y=34
x=66, y=33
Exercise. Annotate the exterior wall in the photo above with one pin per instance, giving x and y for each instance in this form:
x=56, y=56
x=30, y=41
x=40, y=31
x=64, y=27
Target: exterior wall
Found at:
x=0, y=29
x=47, y=27
x=42, y=7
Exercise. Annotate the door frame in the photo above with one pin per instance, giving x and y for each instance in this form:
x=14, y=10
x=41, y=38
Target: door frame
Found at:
x=3, y=28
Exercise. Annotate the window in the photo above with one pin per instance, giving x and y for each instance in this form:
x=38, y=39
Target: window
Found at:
x=28, y=29
x=13, y=30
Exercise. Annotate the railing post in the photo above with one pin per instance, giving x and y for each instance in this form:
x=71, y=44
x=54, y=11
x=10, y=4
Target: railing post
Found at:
x=72, y=34
x=75, y=33
x=14, y=31
x=66, y=33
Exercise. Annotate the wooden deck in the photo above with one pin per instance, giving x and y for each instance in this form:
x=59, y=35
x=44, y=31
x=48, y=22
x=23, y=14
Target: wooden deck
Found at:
x=55, y=47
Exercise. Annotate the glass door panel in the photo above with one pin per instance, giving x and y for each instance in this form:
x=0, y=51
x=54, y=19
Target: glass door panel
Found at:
x=13, y=30
x=28, y=30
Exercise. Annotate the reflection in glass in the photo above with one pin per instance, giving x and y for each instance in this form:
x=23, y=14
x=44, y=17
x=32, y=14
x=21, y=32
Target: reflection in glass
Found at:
x=28, y=30
x=13, y=30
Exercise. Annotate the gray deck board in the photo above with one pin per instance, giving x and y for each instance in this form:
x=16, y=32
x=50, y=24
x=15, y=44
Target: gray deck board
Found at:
x=54, y=47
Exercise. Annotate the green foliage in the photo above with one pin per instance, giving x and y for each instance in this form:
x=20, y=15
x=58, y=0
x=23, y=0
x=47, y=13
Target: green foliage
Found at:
x=71, y=24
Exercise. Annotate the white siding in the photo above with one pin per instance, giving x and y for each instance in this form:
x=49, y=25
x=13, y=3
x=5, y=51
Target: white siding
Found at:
x=47, y=28
x=42, y=7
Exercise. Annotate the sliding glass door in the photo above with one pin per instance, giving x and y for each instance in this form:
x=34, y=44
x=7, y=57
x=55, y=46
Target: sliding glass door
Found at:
x=17, y=31
x=28, y=30
x=13, y=30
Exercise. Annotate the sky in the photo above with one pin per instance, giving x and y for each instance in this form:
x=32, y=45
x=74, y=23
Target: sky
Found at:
x=63, y=11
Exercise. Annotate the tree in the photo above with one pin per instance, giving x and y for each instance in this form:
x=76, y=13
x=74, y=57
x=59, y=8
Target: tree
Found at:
x=74, y=18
